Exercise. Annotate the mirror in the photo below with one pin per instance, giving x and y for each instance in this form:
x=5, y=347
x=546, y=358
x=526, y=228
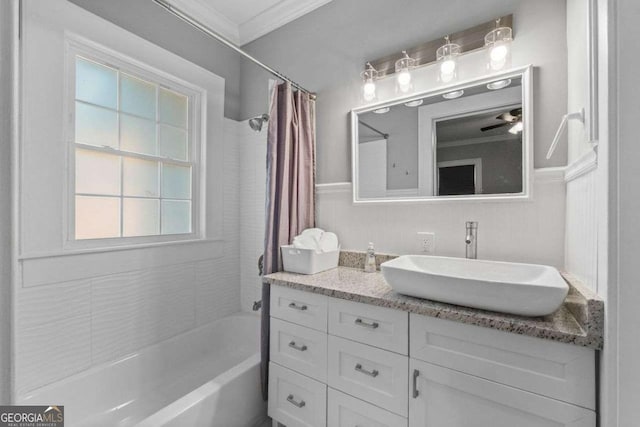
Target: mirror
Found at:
x=468, y=141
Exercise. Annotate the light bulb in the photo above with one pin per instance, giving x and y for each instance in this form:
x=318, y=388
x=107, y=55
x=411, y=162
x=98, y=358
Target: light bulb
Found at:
x=517, y=128
x=369, y=90
x=404, y=78
x=499, y=53
x=448, y=67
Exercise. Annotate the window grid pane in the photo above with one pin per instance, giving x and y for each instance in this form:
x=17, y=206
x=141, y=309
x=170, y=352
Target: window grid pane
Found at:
x=141, y=196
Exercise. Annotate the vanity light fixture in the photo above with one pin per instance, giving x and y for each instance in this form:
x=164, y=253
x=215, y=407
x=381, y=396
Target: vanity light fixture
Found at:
x=453, y=95
x=404, y=66
x=499, y=84
x=498, y=44
x=447, y=57
x=382, y=110
x=414, y=103
x=369, y=83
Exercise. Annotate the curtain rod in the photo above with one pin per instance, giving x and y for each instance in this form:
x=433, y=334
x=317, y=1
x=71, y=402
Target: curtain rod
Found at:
x=211, y=33
x=368, y=126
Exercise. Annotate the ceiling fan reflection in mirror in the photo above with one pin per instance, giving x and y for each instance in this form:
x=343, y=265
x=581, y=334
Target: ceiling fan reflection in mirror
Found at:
x=511, y=118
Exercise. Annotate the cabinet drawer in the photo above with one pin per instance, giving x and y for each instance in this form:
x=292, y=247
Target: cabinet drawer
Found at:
x=301, y=349
x=446, y=398
x=368, y=373
x=296, y=400
x=347, y=411
x=562, y=371
x=377, y=326
x=303, y=308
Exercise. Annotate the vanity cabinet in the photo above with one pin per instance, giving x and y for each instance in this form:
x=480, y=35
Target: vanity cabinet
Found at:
x=442, y=397
x=341, y=363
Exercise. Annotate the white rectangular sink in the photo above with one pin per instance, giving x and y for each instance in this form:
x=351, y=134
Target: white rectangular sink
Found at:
x=522, y=289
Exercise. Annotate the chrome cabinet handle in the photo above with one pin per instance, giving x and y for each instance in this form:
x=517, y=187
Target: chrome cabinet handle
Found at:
x=297, y=307
x=293, y=345
x=416, y=393
x=372, y=325
x=373, y=373
x=295, y=403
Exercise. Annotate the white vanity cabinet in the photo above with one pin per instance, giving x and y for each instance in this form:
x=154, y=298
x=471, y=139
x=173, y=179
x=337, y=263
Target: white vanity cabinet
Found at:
x=442, y=397
x=340, y=363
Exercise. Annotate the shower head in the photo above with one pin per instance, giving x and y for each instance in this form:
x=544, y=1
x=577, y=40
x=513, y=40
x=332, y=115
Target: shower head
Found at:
x=257, y=122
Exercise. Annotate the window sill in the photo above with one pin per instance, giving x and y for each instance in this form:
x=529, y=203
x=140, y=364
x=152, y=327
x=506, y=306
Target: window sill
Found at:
x=107, y=249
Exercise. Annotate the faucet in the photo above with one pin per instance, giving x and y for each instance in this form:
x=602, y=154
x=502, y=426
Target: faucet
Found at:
x=471, y=240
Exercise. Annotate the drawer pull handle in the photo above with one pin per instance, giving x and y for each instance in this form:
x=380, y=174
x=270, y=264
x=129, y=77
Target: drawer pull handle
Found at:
x=293, y=345
x=416, y=393
x=373, y=373
x=295, y=403
x=297, y=307
x=372, y=325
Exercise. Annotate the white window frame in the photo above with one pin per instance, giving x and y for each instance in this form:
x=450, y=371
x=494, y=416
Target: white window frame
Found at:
x=78, y=46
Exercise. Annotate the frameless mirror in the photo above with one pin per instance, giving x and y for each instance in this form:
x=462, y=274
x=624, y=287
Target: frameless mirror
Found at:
x=469, y=141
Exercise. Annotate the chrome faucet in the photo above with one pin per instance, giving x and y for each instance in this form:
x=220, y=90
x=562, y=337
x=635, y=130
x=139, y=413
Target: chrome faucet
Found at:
x=472, y=240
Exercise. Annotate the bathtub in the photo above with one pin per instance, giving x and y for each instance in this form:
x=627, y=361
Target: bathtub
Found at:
x=208, y=377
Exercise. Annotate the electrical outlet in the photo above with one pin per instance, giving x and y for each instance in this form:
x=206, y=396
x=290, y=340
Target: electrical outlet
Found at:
x=426, y=242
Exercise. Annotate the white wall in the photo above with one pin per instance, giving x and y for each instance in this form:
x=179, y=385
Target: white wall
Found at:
x=509, y=231
x=531, y=231
x=66, y=327
x=581, y=243
x=253, y=175
x=624, y=120
x=326, y=50
x=75, y=310
x=578, y=72
x=7, y=13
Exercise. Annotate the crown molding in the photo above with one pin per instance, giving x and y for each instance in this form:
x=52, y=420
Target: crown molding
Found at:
x=275, y=17
x=478, y=140
x=261, y=24
x=203, y=12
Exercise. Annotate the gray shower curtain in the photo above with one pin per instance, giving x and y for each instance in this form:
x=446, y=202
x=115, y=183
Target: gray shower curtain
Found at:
x=290, y=203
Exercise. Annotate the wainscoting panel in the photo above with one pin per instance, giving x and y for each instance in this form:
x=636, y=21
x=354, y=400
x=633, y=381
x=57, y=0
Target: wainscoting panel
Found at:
x=581, y=242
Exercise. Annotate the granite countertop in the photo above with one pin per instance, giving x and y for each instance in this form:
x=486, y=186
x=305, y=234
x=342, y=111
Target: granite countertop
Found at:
x=578, y=321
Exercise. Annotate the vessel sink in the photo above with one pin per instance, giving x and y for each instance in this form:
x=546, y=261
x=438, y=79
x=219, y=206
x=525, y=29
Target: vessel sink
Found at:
x=522, y=289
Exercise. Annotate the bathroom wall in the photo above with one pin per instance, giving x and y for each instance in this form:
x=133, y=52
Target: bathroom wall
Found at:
x=6, y=65
x=401, y=124
x=326, y=50
x=78, y=309
x=149, y=21
x=253, y=175
x=581, y=243
x=66, y=327
x=622, y=189
x=509, y=231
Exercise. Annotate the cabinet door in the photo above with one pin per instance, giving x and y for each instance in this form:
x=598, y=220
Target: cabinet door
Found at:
x=441, y=397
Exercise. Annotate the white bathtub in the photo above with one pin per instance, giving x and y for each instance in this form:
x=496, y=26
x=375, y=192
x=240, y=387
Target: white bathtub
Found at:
x=208, y=377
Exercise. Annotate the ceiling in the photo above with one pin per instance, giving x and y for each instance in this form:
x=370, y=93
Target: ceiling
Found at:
x=242, y=21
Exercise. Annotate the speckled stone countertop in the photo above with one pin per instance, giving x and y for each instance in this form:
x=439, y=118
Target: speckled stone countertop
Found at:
x=578, y=321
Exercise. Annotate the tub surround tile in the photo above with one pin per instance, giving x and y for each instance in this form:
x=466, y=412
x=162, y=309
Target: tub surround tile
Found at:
x=578, y=321
x=52, y=351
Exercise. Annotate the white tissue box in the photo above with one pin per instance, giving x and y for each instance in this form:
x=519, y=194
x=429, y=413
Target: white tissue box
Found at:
x=308, y=261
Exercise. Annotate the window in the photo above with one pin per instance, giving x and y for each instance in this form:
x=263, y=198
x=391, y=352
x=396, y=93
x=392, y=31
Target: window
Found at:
x=134, y=158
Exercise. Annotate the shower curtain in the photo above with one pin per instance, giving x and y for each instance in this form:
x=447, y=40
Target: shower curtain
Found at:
x=290, y=202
